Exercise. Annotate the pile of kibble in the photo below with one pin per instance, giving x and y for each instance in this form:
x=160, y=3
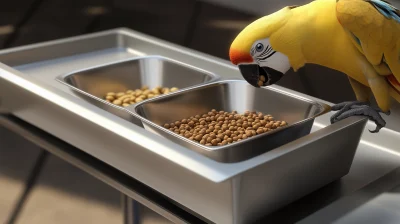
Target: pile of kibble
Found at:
x=135, y=96
x=218, y=128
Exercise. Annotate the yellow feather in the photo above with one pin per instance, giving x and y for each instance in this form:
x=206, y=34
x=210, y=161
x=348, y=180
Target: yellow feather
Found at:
x=260, y=29
x=378, y=37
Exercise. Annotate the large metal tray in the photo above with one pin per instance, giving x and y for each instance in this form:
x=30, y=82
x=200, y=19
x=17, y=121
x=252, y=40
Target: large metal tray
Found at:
x=219, y=192
x=93, y=83
x=232, y=95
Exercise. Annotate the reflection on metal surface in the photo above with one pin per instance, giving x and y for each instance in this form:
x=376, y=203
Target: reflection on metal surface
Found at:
x=385, y=208
x=135, y=52
x=354, y=203
x=393, y=152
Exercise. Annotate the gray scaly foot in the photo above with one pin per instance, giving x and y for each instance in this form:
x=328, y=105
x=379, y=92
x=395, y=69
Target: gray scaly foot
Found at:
x=349, y=109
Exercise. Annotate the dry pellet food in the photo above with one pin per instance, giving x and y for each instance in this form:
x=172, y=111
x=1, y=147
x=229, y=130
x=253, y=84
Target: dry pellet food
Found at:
x=135, y=96
x=218, y=128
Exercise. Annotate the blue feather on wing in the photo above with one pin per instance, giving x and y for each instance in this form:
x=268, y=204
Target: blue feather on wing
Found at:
x=356, y=39
x=386, y=9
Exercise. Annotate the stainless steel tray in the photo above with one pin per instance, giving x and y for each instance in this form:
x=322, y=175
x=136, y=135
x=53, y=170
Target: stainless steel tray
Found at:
x=228, y=96
x=221, y=192
x=134, y=73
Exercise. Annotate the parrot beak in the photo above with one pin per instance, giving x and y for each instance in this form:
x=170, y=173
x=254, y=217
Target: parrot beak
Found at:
x=259, y=76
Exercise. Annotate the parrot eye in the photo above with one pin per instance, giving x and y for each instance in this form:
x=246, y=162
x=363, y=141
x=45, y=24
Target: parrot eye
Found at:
x=259, y=47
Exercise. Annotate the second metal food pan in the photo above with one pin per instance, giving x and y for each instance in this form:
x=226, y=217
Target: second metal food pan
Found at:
x=92, y=84
x=231, y=95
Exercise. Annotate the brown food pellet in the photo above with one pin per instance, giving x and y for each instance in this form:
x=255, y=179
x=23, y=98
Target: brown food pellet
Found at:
x=139, y=99
x=127, y=98
x=109, y=97
x=209, y=139
x=198, y=137
x=216, y=128
x=117, y=102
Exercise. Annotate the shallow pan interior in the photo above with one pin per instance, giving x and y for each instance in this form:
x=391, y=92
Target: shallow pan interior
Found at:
x=151, y=71
x=229, y=96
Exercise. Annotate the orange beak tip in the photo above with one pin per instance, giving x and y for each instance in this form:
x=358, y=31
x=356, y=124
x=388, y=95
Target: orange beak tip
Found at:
x=237, y=57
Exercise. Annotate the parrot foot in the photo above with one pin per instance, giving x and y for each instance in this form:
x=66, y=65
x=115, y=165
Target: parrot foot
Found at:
x=348, y=109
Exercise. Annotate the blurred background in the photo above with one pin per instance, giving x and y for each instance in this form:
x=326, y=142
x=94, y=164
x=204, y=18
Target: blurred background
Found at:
x=39, y=188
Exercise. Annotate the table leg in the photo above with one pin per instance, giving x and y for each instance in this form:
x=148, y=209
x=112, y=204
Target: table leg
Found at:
x=130, y=210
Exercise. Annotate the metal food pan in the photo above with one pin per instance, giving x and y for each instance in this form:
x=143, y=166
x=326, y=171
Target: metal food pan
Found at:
x=93, y=83
x=228, y=96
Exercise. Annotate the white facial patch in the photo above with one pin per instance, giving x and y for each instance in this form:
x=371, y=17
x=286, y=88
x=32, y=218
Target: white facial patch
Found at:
x=265, y=56
x=278, y=61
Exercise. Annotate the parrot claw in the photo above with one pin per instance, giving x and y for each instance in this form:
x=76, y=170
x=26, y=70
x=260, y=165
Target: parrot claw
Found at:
x=348, y=109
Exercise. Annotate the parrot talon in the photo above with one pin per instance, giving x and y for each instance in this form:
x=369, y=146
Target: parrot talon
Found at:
x=377, y=129
x=342, y=107
x=349, y=109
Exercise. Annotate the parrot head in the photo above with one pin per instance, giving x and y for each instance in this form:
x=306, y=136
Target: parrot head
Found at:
x=255, y=52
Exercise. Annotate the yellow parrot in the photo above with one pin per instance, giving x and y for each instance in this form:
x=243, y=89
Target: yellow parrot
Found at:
x=360, y=38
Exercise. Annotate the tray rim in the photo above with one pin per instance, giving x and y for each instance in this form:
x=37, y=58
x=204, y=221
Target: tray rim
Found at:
x=322, y=106
x=61, y=78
